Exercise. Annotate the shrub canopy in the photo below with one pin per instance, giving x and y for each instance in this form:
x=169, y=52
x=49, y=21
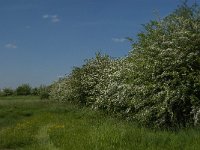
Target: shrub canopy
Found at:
x=157, y=84
x=166, y=70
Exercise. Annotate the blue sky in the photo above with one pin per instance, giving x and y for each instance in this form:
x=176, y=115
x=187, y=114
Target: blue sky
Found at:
x=43, y=39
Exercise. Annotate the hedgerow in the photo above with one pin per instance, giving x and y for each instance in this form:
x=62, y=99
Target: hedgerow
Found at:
x=166, y=71
x=157, y=84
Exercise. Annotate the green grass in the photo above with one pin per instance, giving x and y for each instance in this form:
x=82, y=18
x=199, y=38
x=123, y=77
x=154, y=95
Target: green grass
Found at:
x=30, y=124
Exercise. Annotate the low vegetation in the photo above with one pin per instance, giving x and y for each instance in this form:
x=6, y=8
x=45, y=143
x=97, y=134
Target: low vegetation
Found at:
x=28, y=123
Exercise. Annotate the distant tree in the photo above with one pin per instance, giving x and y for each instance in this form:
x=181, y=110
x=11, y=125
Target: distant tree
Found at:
x=35, y=91
x=1, y=92
x=23, y=89
x=43, y=91
x=7, y=92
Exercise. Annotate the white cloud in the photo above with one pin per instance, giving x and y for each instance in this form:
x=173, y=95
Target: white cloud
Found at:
x=45, y=16
x=52, y=18
x=55, y=20
x=11, y=46
x=118, y=40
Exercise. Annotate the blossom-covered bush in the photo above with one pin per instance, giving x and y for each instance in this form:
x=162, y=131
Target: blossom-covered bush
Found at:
x=113, y=92
x=99, y=83
x=166, y=70
x=157, y=84
x=90, y=83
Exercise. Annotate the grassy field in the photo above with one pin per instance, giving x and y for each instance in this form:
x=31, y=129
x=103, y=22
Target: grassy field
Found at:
x=31, y=124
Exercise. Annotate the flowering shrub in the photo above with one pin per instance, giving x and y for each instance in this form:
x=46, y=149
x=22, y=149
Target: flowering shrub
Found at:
x=166, y=70
x=99, y=83
x=158, y=84
x=113, y=92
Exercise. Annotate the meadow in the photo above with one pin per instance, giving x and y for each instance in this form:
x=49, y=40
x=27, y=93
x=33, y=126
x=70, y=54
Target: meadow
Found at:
x=28, y=123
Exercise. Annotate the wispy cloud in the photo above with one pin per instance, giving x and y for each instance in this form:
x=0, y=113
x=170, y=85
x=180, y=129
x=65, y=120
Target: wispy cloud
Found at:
x=28, y=27
x=45, y=16
x=11, y=46
x=52, y=18
x=118, y=40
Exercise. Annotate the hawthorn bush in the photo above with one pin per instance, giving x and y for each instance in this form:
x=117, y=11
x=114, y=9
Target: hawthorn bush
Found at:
x=157, y=84
x=81, y=85
x=166, y=70
x=99, y=83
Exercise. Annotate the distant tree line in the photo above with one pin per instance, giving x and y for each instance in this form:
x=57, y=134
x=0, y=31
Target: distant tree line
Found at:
x=25, y=90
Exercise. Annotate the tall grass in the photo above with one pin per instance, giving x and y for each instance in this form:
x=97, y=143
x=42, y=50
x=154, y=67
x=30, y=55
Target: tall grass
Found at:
x=33, y=124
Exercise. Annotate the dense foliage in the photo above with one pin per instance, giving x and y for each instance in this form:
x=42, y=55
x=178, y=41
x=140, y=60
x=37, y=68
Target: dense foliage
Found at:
x=43, y=92
x=23, y=89
x=157, y=84
x=6, y=92
x=166, y=70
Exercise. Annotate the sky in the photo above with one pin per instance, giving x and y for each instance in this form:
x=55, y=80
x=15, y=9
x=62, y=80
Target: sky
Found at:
x=42, y=40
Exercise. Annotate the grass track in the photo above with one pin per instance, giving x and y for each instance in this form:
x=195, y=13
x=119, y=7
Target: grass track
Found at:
x=26, y=123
